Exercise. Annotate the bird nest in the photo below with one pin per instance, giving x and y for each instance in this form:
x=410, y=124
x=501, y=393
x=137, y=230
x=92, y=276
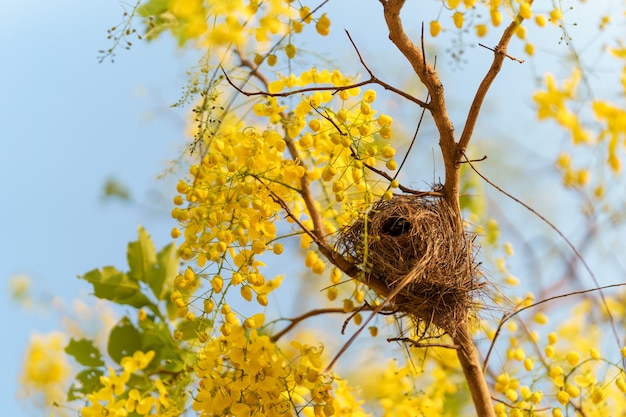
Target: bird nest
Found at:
x=416, y=239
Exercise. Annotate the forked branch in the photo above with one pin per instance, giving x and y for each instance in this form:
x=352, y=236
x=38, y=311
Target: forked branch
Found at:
x=499, y=54
x=335, y=89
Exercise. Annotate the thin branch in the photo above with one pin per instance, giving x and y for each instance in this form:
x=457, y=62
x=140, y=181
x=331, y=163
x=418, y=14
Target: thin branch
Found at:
x=293, y=322
x=508, y=316
x=529, y=410
x=511, y=57
x=483, y=158
x=335, y=258
x=351, y=316
x=375, y=80
x=296, y=320
x=417, y=129
x=417, y=344
x=389, y=296
x=305, y=229
x=437, y=106
x=499, y=53
x=565, y=239
x=372, y=80
x=390, y=178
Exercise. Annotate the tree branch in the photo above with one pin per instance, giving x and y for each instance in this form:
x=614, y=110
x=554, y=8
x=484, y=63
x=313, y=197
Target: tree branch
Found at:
x=509, y=316
x=417, y=344
x=372, y=80
x=567, y=242
x=499, y=54
x=436, y=105
x=473, y=372
x=296, y=320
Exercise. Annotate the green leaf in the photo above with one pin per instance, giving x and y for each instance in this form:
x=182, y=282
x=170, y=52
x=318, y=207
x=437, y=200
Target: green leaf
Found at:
x=85, y=352
x=87, y=381
x=164, y=272
x=471, y=191
x=141, y=257
x=158, y=337
x=124, y=340
x=114, y=285
x=153, y=7
x=115, y=189
x=191, y=329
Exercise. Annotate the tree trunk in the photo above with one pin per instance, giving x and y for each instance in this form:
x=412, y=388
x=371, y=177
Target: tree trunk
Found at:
x=473, y=372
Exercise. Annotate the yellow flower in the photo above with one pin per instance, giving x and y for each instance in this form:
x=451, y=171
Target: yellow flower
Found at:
x=573, y=357
x=435, y=28
x=598, y=395
x=46, y=369
x=138, y=361
x=323, y=25
x=496, y=17
x=113, y=385
x=524, y=10
x=369, y=96
x=458, y=19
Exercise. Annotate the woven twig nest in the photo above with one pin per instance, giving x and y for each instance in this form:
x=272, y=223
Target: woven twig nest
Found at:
x=417, y=236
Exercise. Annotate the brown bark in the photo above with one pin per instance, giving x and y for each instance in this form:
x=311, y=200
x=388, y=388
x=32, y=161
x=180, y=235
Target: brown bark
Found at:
x=452, y=153
x=473, y=371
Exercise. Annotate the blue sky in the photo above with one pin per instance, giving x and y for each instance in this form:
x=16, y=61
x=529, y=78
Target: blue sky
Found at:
x=67, y=123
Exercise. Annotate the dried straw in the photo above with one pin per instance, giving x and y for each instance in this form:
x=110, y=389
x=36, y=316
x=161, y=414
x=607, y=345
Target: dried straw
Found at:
x=416, y=237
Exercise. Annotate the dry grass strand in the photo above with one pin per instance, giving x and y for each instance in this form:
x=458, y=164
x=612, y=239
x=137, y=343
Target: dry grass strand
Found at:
x=416, y=236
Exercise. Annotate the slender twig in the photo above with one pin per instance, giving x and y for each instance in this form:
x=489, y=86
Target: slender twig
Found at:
x=383, y=84
x=305, y=229
x=400, y=186
x=417, y=129
x=372, y=80
x=483, y=158
x=529, y=410
x=390, y=178
x=296, y=320
x=293, y=322
x=511, y=57
x=509, y=316
x=565, y=239
x=437, y=105
x=335, y=258
x=408, y=278
x=417, y=344
x=567, y=242
x=351, y=316
x=499, y=53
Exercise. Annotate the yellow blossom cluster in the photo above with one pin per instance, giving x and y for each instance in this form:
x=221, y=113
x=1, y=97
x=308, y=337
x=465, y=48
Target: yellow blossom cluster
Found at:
x=462, y=12
x=553, y=102
x=46, y=369
x=222, y=26
x=245, y=374
x=230, y=212
x=607, y=130
x=409, y=389
x=613, y=119
x=564, y=372
x=229, y=207
x=114, y=398
x=338, y=143
x=572, y=177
